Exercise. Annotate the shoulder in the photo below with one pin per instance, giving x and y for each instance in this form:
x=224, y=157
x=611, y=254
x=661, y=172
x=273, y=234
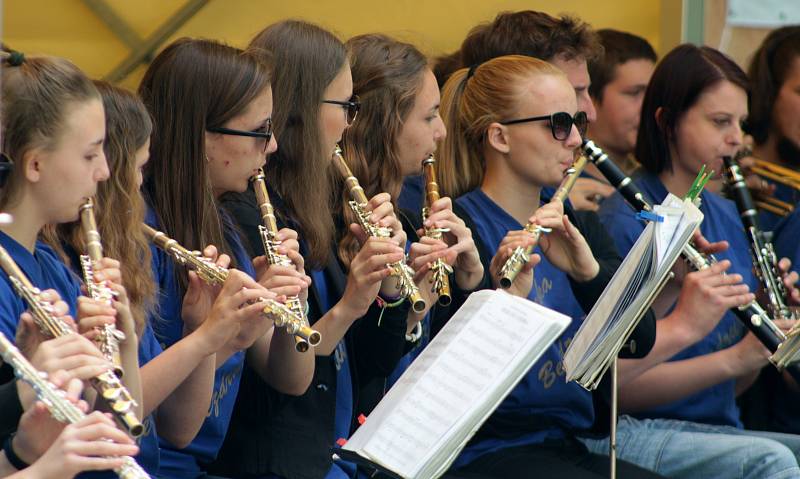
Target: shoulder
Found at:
x=722, y=208
x=51, y=261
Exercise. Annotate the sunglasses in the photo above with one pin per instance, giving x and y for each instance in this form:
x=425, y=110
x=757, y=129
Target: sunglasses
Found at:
x=560, y=123
x=264, y=133
x=350, y=106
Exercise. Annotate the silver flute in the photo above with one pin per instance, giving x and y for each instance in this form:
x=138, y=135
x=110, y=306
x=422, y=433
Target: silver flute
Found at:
x=55, y=400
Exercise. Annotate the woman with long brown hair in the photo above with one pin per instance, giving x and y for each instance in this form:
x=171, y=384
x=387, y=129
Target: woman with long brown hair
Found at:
x=292, y=437
x=399, y=128
x=212, y=106
x=175, y=397
x=53, y=128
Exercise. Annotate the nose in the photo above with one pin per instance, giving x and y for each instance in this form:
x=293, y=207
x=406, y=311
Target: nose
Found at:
x=440, y=133
x=574, y=139
x=102, y=173
x=736, y=135
x=272, y=147
x=586, y=104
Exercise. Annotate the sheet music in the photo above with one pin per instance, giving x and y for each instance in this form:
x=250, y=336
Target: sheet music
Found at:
x=456, y=382
x=631, y=291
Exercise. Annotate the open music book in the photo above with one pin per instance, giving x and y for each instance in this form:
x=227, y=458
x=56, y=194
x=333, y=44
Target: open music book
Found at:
x=631, y=291
x=441, y=400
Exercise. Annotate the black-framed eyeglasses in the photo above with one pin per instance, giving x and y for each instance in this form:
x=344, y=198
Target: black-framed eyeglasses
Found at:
x=264, y=132
x=350, y=106
x=560, y=123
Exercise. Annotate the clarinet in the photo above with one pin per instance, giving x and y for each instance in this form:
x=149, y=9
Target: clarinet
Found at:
x=268, y=231
x=520, y=256
x=107, y=384
x=358, y=203
x=213, y=274
x=762, y=251
x=440, y=271
x=55, y=400
x=110, y=336
x=752, y=315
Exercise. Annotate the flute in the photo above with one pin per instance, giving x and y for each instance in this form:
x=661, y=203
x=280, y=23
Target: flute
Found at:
x=358, y=203
x=110, y=336
x=107, y=384
x=268, y=231
x=213, y=274
x=55, y=400
x=520, y=256
x=440, y=271
x=752, y=315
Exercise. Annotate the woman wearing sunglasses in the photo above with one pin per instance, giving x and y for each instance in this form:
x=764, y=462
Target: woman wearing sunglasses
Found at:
x=273, y=434
x=512, y=129
x=684, y=421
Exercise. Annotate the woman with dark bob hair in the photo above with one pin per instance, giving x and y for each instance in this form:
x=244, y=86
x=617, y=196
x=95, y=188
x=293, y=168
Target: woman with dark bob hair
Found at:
x=684, y=421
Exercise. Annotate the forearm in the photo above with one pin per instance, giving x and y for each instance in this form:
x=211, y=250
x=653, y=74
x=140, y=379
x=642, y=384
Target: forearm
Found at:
x=179, y=419
x=670, y=340
x=744, y=382
x=676, y=380
x=332, y=327
x=177, y=366
x=276, y=359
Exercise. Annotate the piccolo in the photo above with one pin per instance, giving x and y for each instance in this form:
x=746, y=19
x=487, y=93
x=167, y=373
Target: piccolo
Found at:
x=213, y=274
x=358, y=204
x=268, y=231
x=752, y=315
x=110, y=336
x=107, y=384
x=440, y=270
x=55, y=400
x=520, y=256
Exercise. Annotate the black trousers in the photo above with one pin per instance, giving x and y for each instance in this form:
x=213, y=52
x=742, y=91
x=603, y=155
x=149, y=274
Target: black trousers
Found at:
x=562, y=459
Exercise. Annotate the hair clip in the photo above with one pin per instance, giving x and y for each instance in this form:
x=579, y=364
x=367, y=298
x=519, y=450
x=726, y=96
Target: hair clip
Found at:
x=6, y=166
x=16, y=58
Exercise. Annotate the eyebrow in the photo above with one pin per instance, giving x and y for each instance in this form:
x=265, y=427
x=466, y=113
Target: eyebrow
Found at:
x=435, y=107
x=97, y=142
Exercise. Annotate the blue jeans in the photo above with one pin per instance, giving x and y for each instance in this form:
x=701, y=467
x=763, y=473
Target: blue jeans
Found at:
x=684, y=449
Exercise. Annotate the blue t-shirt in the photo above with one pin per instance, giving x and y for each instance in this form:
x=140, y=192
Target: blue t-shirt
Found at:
x=543, y=392
x=715, y=404
x=45, y=270
x=770, y=221
x=168, y=328
x=149, y=348
x=786, y=238
x=412, y=196
x=344, y=387
x=149, y=452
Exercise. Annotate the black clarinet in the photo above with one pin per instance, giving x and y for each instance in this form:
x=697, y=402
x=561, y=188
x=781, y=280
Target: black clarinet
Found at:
x=752, y=315
x=761, y=250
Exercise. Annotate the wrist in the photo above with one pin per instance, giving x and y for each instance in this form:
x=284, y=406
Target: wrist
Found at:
x=468, y=280
x=682, y=329
x=588, y=273
x=200, y=341
x=344, y=311
x=17, y=452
